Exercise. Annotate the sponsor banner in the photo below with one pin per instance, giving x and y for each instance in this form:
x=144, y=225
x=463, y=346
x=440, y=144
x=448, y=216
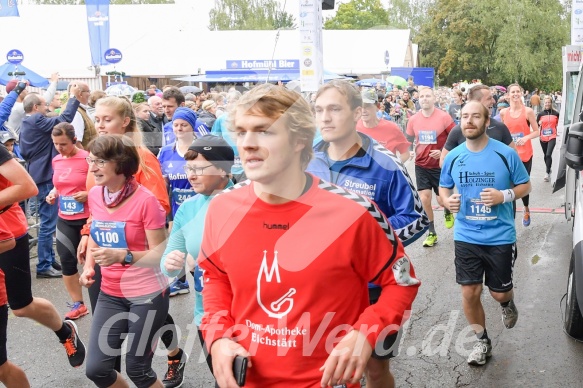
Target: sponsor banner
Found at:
x=15, y=57
x=311, y=63
x=572, y=57
x=577, y=23
x=263, y=64
x=8, y=8
x=98, y=25
x=113, y=56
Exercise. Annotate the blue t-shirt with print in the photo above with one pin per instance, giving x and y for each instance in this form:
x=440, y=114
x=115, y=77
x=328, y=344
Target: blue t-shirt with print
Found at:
x=497, y=166
x=172, y=164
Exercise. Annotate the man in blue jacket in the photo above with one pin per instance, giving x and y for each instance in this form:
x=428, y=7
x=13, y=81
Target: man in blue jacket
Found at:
x=356, y=162
x=37, y=149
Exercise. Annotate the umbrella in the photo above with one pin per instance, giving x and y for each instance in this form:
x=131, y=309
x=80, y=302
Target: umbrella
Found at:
x=370, y=82
x=190, y=89
x=294, y=85
x=120, y=90
x=396, y=80
x=501, y=88
x=33, y=78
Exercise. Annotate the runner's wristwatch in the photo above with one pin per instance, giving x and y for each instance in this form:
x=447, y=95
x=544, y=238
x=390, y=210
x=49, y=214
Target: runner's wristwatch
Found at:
x=128, y=259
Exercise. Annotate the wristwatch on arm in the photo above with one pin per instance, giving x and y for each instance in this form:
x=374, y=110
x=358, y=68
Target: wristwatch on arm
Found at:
x=128, y=259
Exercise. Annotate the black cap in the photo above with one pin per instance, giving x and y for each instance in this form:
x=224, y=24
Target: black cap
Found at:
x=216, y=150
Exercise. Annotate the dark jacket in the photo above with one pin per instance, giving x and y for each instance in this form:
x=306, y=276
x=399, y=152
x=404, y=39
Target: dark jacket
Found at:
x=158, y=122
x=152, y=137
x=36, y=144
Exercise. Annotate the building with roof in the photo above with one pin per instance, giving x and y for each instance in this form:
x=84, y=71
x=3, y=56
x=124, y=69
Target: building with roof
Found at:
x=173, y=40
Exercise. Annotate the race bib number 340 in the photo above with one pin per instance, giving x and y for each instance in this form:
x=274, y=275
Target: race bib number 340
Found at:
x=109, y=234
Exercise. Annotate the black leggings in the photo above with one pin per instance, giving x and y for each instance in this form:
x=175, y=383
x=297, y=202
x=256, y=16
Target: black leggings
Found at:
x=528, y=166
x=141, y=319
x=68, y=238
x=548, y=148
x=167, y=336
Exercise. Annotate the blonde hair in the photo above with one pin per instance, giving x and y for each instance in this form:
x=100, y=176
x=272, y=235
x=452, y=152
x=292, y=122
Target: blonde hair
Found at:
x=278, y=102
x=123, y=108
x=347, y=89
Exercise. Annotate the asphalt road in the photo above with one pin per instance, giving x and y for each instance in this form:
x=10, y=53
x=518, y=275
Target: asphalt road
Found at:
x=534, y=353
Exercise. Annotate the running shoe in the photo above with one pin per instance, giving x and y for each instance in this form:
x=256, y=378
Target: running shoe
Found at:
x=431, y=240
x=77, y=311
x=547, y=178
x=510, y=315
x=481, y=352
x=526, y=219
x=174, y=376
x=177, y=287
x=74, y=346
x=449, y=220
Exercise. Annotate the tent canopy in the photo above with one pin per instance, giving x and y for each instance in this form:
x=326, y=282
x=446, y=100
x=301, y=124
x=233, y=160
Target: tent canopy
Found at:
x=230, y=76
x=34, y=79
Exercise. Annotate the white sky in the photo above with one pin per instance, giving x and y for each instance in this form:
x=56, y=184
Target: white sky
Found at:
x=291, y=6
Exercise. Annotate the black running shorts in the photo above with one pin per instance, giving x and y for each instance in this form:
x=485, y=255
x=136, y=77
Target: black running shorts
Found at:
x=427, y=178
x=3, y=336
x=496, y=262
x=16, y=266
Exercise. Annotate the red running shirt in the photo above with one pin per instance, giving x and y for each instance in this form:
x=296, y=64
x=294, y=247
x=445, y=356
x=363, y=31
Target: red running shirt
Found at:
x=290, y=280
x=387, y=134
x=430, y=134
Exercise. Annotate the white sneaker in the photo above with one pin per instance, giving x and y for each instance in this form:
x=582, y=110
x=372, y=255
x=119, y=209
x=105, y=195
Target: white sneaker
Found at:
x=547, y=178
x=481, y=352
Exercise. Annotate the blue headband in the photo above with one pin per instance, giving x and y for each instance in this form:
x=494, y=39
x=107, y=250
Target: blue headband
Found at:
x=187, y=115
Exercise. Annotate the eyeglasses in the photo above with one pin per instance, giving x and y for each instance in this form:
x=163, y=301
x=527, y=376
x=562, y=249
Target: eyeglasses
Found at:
x=99, y=162
x=196, y=170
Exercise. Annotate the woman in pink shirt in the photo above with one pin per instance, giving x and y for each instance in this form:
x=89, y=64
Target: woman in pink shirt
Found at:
x=127, y=239
x=70, y=194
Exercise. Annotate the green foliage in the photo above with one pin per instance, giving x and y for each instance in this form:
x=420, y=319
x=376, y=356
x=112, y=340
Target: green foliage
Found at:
x=138, y=98
x=358, y=15
x=409, y=14
x=499, y=42
x=249, y=15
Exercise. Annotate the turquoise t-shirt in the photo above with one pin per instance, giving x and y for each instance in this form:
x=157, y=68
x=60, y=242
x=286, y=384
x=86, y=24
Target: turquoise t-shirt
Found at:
x=186, y=237
x=497, y=166
x=220, y=129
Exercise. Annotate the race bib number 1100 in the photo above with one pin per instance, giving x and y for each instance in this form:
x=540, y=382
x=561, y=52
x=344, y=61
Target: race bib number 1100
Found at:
x=109, y=234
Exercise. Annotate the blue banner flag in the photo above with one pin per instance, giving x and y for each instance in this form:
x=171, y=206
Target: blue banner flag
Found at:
x=98, y=25
x=8, y=8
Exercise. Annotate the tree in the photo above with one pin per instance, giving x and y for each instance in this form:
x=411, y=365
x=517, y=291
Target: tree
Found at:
x=358, y=15
x=249, y=15
x=409, y=14
x=498, y=42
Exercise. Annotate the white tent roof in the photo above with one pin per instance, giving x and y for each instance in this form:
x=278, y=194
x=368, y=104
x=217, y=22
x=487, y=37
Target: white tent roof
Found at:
x=174, y=40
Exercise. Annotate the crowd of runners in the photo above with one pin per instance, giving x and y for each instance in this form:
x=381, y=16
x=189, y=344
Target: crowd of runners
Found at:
x=279, y=208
